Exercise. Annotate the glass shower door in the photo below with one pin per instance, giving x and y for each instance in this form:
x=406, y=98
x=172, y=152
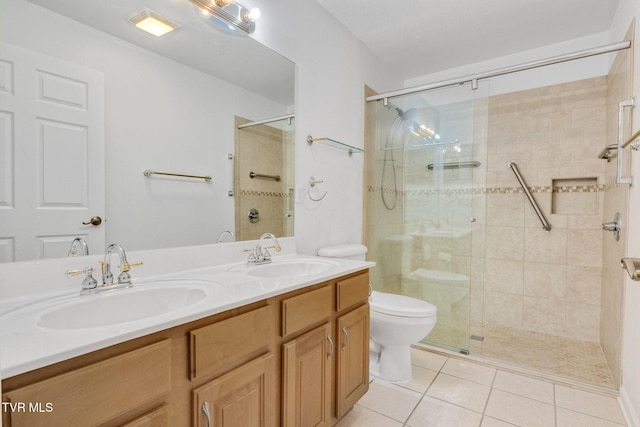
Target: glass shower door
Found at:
x=421, y=203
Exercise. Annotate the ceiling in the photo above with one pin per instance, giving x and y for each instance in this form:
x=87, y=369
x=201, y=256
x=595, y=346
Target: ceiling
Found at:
x=419, y=37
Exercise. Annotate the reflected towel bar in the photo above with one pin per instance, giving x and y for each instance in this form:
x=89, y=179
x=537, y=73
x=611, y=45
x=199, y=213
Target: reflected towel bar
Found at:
x=432, y=166
x=534, y=204
x=148, y=173
x=259, y=175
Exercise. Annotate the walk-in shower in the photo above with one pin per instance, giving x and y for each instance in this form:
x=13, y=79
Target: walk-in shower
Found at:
x=452, y=220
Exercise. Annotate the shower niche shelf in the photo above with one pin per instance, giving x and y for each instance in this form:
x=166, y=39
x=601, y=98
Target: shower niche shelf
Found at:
x=336, y=144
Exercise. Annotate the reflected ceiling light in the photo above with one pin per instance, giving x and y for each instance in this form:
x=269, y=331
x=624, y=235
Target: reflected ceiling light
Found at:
x=228, y=15
x=153, y=23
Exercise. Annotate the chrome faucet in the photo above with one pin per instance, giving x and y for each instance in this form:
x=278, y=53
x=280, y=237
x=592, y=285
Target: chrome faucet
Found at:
x=107, y=277
x=222, y=234
x=78, y=241
x=260, y=254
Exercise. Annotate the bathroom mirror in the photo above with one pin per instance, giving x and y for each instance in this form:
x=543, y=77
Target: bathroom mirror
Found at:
x=171, y=105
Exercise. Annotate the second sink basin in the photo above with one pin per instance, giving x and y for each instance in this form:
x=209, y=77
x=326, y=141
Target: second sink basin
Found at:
x=120, y=306
x=287, y=268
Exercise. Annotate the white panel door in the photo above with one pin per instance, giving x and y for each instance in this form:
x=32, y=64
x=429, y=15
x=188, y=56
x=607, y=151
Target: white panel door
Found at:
x=51, y=155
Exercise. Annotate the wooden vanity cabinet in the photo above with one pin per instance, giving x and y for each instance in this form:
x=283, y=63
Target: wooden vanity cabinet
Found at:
x=298, y=359
x=97, y=393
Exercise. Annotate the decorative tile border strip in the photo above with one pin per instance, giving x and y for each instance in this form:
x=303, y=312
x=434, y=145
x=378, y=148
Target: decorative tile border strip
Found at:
x=494, y=190
x=264, y=193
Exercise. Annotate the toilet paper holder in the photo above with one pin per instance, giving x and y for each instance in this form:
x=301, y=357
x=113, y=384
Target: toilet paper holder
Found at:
x=632, y=265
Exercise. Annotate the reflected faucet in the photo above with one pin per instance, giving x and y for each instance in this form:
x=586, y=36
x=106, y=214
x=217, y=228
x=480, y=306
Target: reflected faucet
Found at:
x=222, y=234
x=78, y=241
x=107, y=277
x=260, y=254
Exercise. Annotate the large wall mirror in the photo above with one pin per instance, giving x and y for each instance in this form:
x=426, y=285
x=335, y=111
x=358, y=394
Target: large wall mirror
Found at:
x=173, y=104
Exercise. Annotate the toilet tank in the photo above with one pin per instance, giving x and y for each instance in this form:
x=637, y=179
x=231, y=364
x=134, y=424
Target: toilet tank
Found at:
x=345, y=251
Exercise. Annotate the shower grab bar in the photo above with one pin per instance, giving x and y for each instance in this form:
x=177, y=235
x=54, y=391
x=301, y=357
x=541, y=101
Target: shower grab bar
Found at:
x=149, y=172
x=534, y=204
x=263, y=176
x=432, y=166
x=621, y=107
x=606, y=152
x=629, y=144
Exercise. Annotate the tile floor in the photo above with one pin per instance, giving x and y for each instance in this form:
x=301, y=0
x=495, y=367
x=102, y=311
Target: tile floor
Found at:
x=449, y=391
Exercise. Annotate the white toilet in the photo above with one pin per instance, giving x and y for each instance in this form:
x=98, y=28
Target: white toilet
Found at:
x=397, y=321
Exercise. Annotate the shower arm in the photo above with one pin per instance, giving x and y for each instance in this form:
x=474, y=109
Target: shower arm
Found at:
x=534, y=204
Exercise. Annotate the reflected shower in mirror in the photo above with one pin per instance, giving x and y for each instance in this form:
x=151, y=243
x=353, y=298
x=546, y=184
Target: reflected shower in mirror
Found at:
x=263, y=175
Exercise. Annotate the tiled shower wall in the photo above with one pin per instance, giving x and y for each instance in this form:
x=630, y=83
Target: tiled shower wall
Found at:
x=537, y=280
x=616, y=198
x=263, y=150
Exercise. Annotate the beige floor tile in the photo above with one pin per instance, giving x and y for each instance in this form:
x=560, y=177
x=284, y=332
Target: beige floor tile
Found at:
x=427, y=359
x=390, y=400
x=589, y=403
x=492, y=422
x=422, y=379
x=470, y=371
x=362, y=417
x=524, y=386
x=520, y=410
x=567, y=418
x=460, y=392
x=436, y=413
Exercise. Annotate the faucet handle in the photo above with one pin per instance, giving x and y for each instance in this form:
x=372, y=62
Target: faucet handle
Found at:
x=89, y=282
x=127, y=266
x=278, y=248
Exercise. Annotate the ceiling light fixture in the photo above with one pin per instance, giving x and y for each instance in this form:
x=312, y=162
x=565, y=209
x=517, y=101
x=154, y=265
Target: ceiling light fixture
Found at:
x=228, y=15
x=153, y=23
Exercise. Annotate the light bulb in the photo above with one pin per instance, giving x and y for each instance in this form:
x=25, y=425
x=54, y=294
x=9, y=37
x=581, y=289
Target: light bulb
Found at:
x=251, y=15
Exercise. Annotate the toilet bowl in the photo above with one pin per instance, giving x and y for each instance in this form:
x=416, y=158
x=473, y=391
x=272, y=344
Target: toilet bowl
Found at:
x=397, y=321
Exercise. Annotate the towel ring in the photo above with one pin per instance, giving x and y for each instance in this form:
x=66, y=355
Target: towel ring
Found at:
x=312, y=183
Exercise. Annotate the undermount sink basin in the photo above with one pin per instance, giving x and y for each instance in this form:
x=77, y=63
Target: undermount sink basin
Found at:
x=120, y=306
x=291, y=268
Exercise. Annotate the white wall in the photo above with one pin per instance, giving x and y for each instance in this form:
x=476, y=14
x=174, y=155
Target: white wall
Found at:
x=332, y=69
x=628, y=10
x=160, y=115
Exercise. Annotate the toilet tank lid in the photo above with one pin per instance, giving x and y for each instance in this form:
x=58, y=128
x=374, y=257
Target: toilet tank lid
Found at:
x=401, y=305
x=340, y=251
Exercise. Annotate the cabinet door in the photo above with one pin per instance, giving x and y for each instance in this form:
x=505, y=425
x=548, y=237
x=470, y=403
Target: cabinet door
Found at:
x=306, y=379
x=243, y=397
x=352, y=359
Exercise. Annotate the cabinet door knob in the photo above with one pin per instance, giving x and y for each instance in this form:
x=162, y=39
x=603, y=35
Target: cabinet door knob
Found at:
x=346, y=338
x=330, y=353
x=207, y=413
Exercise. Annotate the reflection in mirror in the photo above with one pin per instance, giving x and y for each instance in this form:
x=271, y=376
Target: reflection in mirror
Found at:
x=169, y=103
x=264, y=177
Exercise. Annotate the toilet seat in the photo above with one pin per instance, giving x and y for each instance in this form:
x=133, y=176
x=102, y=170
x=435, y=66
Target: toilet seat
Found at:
x=400, y=305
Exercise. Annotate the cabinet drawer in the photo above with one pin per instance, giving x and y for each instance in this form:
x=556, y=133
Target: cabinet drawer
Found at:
x=99, y=392
x=352, y=291
x=304, y=310
x=222, y=343
x=159, y=417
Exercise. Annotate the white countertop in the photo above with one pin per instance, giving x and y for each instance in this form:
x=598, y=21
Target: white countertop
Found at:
x=25, y=345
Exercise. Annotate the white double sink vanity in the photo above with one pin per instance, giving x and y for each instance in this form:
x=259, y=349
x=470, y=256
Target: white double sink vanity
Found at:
x=191, y=342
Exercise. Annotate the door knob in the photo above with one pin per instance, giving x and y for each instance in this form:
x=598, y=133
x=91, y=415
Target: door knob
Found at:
x=95, y=220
